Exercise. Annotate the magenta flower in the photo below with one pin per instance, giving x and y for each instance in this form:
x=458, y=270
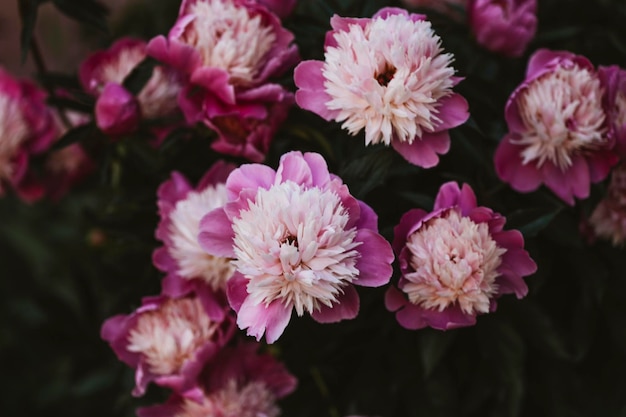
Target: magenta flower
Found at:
x=299, y=241
x=455, y=262
x=168, y=340
x=117, y=110
x=389, y=76
x=503, y=26
x=247, y=129
x=557, y=128
x=27, y=128
x=238, y=383
x=181, y=207
x=223, y=47
x=608, y=220
x=613, y=80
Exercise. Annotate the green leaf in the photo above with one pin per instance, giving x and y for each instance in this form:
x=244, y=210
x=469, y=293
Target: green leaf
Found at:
x=28, y=12
x=140, y=75
x=531, y=221
x=91, y=12
x=78, y=134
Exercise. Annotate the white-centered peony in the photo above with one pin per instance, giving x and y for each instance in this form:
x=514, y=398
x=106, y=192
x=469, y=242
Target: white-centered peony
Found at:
x=563, y=116
x=171, y=334
x=455, y=261
x=228, y=37
x=292, y=245
x=388, y=78
x=192, y=260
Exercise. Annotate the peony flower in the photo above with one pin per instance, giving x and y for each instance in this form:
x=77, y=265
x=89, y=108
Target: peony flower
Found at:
x=223, y=47
x=181, y=207
x=27, y=128
x=238, y=383
x=247, y=130
x=608, y=220
x=117, y=110
x=389, y=76
x=503, y=26
x=65, y=168
x=168, y=340
x=455, y=262
x=557, y=128
x=299, y=241
x=613, y=80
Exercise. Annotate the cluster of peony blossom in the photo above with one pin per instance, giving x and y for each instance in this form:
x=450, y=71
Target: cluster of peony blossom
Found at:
x=249, y=245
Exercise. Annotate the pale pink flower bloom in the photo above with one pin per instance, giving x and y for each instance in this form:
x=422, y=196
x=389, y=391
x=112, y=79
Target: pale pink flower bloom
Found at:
x=117, y=110
x=455, y=262
x=390, y=76
x=557, y=128
x=181, y=207
x=503, y=26
x=238, y=383
x=613, y=80
x=223, y=46
x=27, y=128
x=168, y=340
x=300, y=242
x=608, y=220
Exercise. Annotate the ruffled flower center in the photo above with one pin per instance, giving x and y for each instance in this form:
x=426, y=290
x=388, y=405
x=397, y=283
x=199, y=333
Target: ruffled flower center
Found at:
x=455, y=261
x=563, y=116
x=229, y=37
x=14, y=132
x=388, y=77
x=171, y=334
x=250, y=400
x=192, y=261
x=292, y=245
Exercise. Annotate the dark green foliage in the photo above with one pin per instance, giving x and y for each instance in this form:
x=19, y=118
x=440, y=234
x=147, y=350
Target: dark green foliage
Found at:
x=560, y=352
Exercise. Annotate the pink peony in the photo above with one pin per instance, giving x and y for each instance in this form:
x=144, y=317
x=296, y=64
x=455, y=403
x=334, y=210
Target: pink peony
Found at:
x=608, y=220
x=455, y=262
x=247, y=130
x=503, y=26
x=613, y=80
x=299, y=241
x=27, y=128
x=181, y=207
x=117, y=110
x=223, y=47
x=557, y=128
x=168, y=340
x=238, y=383
x=389, y=76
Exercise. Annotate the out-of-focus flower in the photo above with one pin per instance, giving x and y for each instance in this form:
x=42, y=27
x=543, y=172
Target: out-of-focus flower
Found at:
x=181, y=207
x=64, y=168
x=238, y=383
x=503, y=26
x=451, y=8
x=455, y=262
x=117, y=110
x=608, y=220
x=168, y=340
x=613, y=80
x=223, y=47
x=27, y=128
x=389, y=76
x=282, y=8
x=299, y=241
x=248, y=128
x=557, y=128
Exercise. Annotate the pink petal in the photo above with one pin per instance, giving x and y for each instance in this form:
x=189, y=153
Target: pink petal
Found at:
x=237, y=290
x=218, y=174
x=368, y=218
x=319, y=169
x=418, y=153
x=509, y=166
x=249, y=176
x=293, y=167
x=117, y=110
x=216, y=234
x=394, y=299
x=259, y=319
x=374, y=264
x=405, y=227
x=345, y=308
x=453, y=112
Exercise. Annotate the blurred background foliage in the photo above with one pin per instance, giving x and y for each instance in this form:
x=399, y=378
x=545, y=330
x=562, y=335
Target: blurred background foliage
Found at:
x=67, y=265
